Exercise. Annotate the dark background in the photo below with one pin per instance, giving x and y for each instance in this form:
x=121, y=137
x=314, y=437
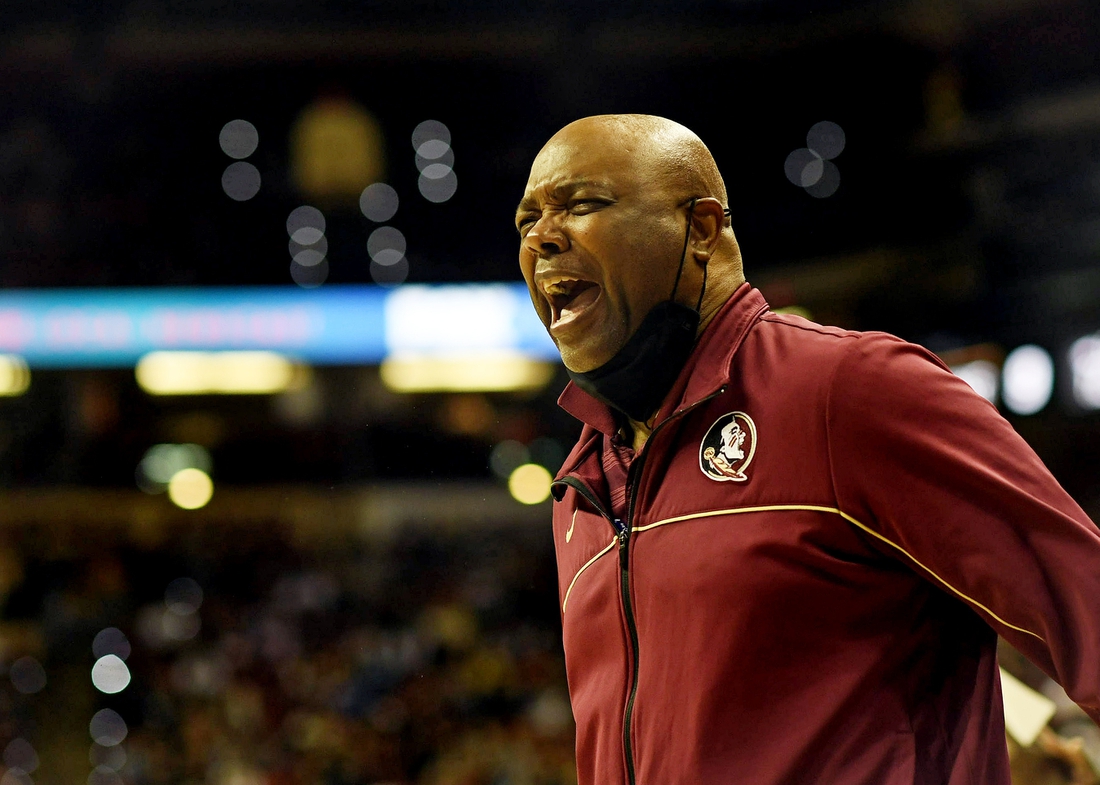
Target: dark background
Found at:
x=967, y=211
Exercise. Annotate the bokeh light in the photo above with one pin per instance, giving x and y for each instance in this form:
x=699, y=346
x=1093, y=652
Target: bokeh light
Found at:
x=336, y=149
x=803, y=167
x=826, y=139
x=811, y=172
x=506, y=456
x=388, y=256
x=110, y=674
x=308, y=258
x=436, y=171
x=238, y=139
x=550, y=713
x=810, y=167
x=433, y=148
x=389, y=273
x=103, y=775
x=1027, y=379
x=111, y=641
x=305, y=225
x=190, y=489
x=548, y=452
x=434, y=159
x=530, y=483
x=19, y=754
x=490, y=371
x=827, y=183
x=438, y=189
x=320, y=246
x=175, y=628
x=107, y=728
x=27, y=675
x=983, y=377
x=311, y=276
x=308, y=246
x=387, y=242
x=241, y=181
x=1084, y=368
x=15, y=376
x=113, y=758
x=162, y=462
x=183, y=596
x=219, y=373
x=160, y=628
x=446, y=160
x=16, y=777
x=379, y=202
x=430, y=131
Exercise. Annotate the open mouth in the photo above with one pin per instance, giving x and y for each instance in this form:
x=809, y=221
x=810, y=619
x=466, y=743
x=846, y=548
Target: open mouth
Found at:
x=569, y=298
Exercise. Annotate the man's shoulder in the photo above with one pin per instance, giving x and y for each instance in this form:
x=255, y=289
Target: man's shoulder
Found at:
x=797, y=332
x=796, y=341
x=796, y=327
x=808, y=355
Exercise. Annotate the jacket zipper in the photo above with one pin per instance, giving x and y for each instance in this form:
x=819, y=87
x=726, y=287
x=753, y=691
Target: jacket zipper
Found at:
x=622, y=533
x=624, y=567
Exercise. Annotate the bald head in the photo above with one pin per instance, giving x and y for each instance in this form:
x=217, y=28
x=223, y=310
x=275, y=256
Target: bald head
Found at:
x=673, y=154
x=603, y=222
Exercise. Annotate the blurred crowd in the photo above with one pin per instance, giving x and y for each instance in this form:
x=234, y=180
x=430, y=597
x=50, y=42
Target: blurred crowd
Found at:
x=253, y=660
x=258, y=656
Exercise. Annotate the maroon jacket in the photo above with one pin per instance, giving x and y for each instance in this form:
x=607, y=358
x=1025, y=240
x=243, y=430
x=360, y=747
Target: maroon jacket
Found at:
x=801, y=577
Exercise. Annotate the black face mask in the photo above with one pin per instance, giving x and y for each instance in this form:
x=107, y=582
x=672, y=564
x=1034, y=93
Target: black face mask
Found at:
x=638, y=377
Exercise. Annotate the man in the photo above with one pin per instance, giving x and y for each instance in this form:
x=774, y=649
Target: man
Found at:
x=823, y=608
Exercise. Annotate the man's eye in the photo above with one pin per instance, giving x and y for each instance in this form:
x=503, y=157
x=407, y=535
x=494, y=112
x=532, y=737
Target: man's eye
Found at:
x=583, y=206
x=524, y=224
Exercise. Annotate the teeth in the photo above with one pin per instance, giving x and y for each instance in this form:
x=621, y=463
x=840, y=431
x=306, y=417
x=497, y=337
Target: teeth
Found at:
x=558, y=284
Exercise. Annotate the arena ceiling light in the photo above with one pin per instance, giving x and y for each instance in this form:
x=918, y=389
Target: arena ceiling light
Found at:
x=494, y=371
x=219, y=373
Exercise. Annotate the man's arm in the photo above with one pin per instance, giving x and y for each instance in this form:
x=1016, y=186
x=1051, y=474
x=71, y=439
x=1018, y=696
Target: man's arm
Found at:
x=933, y=473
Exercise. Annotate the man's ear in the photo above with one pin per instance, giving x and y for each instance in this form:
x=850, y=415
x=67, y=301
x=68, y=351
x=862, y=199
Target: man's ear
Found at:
x=707, y=220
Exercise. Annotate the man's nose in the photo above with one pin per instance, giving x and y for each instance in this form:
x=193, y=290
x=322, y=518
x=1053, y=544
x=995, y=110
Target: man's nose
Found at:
x=546, y=237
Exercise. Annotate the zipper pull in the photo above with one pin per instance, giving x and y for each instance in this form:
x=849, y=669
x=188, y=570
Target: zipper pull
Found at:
x=622, y=532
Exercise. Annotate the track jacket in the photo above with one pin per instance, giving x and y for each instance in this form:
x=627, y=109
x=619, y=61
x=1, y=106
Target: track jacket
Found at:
x=800, y=578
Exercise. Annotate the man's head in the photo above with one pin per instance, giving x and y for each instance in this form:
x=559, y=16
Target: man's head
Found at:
x=732, y=439
x=602, y=226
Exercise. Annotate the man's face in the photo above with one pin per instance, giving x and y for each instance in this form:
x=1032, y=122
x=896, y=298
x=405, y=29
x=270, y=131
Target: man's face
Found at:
x=601, y=237
x=732, y=439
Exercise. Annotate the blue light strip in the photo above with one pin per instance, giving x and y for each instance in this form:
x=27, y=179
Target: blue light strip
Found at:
x=331, y=325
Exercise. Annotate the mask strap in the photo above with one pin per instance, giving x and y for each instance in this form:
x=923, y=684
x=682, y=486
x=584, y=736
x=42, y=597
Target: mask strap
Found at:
x=683, y=254
x=703, y=290
x=683, y=257
x=699, y=303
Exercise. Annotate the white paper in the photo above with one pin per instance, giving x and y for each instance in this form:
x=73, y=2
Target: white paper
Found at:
x=1026, y=711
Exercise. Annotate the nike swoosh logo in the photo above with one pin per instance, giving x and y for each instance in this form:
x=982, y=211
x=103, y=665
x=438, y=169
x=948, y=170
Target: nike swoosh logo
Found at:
x=572, y=523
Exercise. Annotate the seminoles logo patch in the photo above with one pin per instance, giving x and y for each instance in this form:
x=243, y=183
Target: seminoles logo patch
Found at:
x=727, y=449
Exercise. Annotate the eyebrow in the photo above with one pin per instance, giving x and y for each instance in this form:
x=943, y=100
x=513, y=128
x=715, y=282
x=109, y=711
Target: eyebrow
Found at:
x=565, y=186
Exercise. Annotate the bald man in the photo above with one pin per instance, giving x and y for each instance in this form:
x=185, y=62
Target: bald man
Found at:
x=784, y=550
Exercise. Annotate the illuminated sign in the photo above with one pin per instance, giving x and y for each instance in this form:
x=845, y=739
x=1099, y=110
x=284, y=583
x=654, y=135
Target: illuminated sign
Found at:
x=334, y=325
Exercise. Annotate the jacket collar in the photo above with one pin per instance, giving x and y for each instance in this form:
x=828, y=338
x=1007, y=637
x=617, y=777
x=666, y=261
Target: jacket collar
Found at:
x=705, y=372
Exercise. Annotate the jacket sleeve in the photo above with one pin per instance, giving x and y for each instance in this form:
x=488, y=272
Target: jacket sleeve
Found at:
x=938, y=478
